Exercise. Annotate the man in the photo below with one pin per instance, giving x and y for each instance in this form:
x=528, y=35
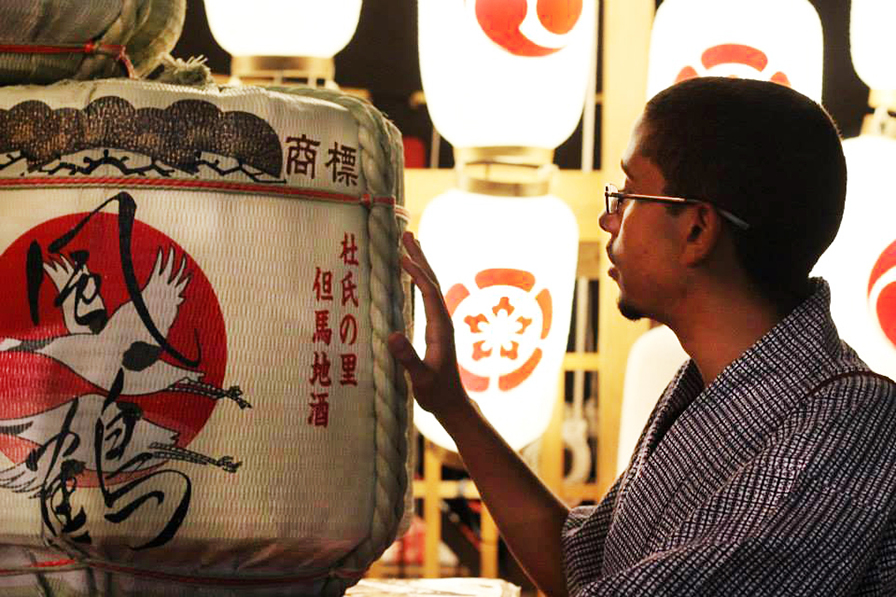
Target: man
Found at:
x=768, y=466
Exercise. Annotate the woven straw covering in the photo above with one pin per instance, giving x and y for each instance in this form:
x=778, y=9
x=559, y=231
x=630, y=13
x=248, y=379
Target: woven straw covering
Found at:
x=50, y=40
x=195, y=391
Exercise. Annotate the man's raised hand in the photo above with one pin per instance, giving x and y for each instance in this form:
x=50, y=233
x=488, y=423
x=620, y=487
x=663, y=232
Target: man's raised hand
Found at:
x=435, y=378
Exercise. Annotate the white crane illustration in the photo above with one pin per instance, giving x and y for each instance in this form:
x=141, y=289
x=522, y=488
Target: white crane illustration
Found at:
x=128, y=438
x=124, y=337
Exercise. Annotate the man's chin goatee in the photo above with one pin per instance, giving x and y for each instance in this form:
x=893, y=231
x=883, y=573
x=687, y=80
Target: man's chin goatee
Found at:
x=630, y=312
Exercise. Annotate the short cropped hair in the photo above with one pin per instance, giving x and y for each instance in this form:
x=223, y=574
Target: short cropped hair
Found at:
x=763, y=151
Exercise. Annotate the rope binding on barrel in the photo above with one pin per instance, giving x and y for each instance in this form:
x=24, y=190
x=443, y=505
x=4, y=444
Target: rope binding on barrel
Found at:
x=90, y=48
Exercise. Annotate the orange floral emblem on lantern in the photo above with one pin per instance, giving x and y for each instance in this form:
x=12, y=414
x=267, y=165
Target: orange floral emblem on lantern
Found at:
x=727, y=59
x=500, y=327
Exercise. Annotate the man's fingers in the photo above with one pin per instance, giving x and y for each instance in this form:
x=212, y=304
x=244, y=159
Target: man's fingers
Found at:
x=401, y=348
x=415, y=252
x=437, y=317
x=415, y=264
x=418, y=276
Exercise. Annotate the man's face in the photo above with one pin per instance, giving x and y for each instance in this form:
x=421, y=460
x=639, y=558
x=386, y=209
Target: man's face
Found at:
x=643, y=238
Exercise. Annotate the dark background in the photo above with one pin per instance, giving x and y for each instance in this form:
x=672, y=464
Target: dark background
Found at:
x=382, y=58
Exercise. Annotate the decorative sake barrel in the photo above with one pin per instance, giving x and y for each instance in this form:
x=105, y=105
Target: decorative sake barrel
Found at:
x=195, y=393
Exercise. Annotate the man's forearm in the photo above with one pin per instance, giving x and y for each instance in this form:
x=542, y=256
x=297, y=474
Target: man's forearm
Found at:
x=529, y=516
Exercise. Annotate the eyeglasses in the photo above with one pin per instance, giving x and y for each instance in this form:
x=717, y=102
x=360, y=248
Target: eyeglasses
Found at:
x=613, y=197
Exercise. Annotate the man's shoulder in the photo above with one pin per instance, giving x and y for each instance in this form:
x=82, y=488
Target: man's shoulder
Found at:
x=829, y=378
x=842, y=433
x=849, y=385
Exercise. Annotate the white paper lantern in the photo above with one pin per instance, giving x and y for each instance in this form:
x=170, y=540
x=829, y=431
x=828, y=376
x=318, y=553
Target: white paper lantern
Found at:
x=861, y=263
x=506, y=72
x=774, y=40
x=507, y=267
x=872, y=43
x=312, y=28
x=652, y=362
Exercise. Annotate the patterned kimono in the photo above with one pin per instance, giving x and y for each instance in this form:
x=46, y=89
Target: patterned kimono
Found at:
x=777, y=479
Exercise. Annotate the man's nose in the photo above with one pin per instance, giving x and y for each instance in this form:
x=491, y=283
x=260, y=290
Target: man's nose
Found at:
x=608, y=222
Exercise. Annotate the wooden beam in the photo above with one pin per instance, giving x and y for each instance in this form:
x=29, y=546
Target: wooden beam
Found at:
x=432, y=512
x=488, y=545
x=581, y=361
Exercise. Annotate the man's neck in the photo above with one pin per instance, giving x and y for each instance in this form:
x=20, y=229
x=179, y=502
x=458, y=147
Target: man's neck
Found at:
x=716, y=329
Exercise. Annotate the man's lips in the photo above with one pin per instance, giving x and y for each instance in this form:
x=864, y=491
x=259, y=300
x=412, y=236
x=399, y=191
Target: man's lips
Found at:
x=612, y=270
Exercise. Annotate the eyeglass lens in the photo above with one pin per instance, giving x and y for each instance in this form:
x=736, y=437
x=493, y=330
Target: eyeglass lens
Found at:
x=611, y=199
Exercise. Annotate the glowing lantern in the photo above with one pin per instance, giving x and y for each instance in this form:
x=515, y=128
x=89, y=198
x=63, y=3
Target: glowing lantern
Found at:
x=861, y=263
x=872, y=44
x=507, y=267
x=653, y=360
x=505, y=83
x=774, y=40
x=295, y=36
x=506, y=72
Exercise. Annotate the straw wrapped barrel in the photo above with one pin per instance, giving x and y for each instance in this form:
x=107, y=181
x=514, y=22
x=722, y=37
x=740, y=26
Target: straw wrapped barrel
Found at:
x=195, y=393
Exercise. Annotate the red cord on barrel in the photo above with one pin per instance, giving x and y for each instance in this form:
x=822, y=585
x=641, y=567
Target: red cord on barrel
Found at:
x=115, y=50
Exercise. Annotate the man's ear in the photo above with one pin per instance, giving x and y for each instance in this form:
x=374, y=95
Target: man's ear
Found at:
x=703, y=230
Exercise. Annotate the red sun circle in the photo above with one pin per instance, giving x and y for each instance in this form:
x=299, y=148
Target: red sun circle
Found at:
x=885, y=307
x=501, y=19
x=32, y=383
